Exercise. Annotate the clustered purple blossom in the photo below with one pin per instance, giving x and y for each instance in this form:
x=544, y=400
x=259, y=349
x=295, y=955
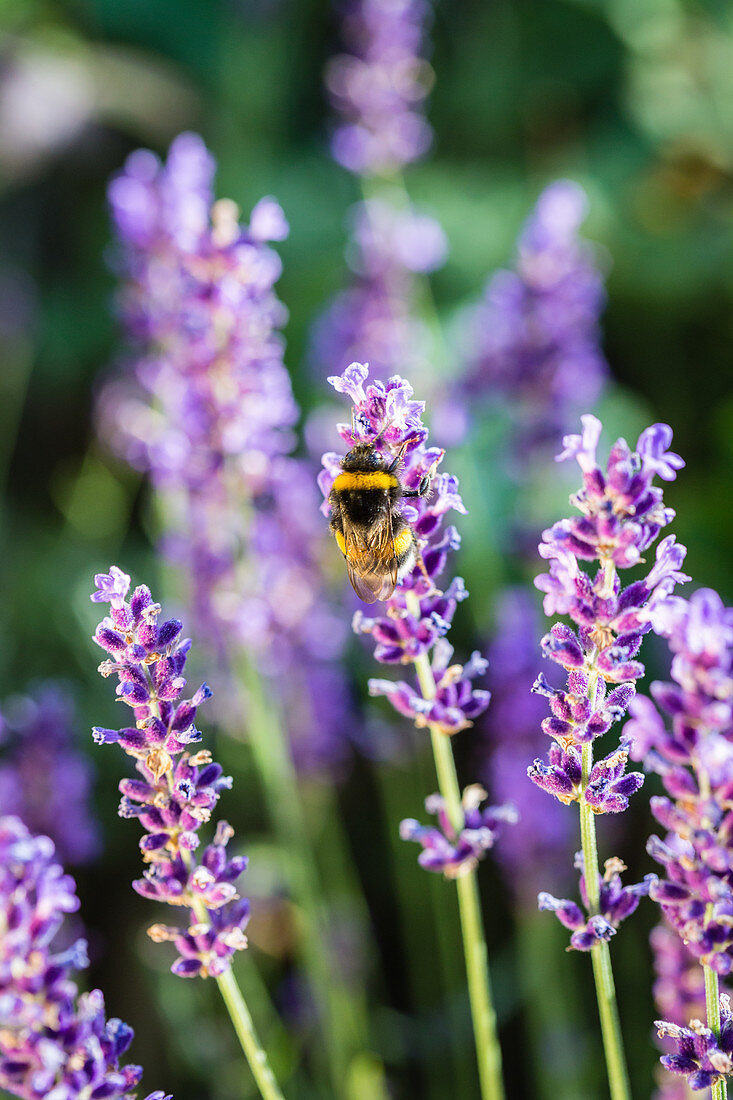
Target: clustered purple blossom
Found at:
x=701, y=1056
x=388, y=247
x=178, y=790
x=379, y=86
x=694, y=758
x=535, y=337
x=453, y=852
x=513, y=726
x=387, y=415
x=209, y=415
x=621, y=514
x=55, y=1043
x=616, y=903
x=44, y=779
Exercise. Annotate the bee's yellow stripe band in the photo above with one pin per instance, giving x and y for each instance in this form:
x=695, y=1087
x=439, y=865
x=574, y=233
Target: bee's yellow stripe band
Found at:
x=341, y=542
x=355, y=479
x=402, y=541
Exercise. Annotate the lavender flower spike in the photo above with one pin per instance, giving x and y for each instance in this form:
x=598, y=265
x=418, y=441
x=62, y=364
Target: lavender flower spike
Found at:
x=178, y=790
x=621, y=515
x=55, y=1043
x=379, y=86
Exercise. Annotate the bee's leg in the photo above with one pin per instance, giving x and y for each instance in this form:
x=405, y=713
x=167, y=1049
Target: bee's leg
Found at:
x=398, y=458
x=421, y=491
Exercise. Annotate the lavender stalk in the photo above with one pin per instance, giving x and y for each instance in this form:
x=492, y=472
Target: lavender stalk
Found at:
x=621, y=516
x=412, y=630
x=176, y=795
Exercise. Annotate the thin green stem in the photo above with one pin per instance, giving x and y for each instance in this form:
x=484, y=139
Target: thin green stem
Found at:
x=251, y=1045
x=719, y=1088
x=488, y=1051
x=618, y=1077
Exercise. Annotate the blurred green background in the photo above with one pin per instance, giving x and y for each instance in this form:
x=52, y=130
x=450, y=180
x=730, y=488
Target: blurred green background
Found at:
x=633, y=98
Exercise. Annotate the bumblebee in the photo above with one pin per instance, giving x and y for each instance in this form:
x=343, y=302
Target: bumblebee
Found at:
x=379, y=545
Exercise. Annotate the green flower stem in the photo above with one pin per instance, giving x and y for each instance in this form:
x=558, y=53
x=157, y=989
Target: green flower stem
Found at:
x=488, y=1051
x=618, y=1077
x=241, y=1018
x=719, y=1088
x=341, y=1006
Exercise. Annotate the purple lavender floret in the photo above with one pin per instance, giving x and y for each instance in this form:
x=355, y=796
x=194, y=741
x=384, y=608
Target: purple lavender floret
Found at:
x=536, y=336
x=209, y=415
x=388, y=247
x=55, y=1043
x=178, y=790
x=452, y=853
x=700, y=1056
x=694, y=758
x=44, y=779
x=616, y=903
x=387, y=415
x=379, y=86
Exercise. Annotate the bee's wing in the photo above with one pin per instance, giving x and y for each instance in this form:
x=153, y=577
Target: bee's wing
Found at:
x=370, y=563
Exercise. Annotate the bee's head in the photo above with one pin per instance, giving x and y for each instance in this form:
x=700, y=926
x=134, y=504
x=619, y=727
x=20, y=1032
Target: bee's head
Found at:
x=363, y=456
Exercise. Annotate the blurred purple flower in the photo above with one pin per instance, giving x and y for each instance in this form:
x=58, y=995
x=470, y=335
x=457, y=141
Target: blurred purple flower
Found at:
x=45, y=780
x=209, y=416
x=388, y=246
x=694, y=758
x=178, y=791
x=55, y=1043
x=379, y=86
x=535, y=336
x=458, y=853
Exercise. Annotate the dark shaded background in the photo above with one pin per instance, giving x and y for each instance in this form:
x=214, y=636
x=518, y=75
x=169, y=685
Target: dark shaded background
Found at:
x=633, y=98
